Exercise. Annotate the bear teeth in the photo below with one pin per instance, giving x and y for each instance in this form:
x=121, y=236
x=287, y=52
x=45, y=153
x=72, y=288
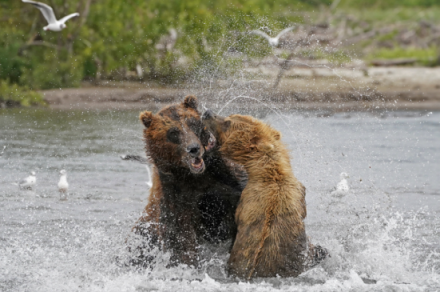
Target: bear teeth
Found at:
x=197, y=163
x=211, y=142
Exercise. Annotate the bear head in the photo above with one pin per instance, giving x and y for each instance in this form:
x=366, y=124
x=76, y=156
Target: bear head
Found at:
x=176, y=138
x=240, y=137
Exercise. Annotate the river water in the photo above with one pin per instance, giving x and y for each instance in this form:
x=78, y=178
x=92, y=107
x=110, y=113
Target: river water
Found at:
x=383, y=235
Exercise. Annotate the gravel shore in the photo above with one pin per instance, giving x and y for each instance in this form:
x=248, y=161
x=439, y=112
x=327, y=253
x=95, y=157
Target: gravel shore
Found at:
x=376, y=88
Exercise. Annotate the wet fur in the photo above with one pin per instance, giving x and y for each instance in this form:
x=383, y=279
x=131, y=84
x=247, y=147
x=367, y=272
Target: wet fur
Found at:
x=271, y=238
x=185, y=209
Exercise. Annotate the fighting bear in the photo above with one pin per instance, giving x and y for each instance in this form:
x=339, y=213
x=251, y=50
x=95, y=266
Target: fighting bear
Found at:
x=195, y=191
x=271, y=238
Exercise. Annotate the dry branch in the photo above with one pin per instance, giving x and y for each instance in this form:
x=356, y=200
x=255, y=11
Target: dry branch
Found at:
x=395, y=62
x=37, y=43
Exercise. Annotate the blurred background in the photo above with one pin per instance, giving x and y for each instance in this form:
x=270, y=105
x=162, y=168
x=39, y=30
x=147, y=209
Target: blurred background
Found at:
x=199, y=43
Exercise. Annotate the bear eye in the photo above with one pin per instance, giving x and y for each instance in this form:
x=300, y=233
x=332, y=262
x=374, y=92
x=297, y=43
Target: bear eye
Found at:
x=204, y=137
x=173, y=135
x=196, y=126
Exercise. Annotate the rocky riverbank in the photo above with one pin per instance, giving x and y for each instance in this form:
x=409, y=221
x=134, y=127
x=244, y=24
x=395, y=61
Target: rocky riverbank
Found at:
x=341, y=89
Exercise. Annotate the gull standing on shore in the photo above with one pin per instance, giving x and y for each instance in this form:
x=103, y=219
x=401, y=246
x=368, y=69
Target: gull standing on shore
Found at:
x=342, y=187
x=274, y=42
x=28, y=182
x=63, y=185
x=47, y=11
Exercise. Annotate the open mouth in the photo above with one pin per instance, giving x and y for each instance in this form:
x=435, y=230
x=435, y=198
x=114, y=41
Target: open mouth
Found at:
x=197, y=165
x=211, y=142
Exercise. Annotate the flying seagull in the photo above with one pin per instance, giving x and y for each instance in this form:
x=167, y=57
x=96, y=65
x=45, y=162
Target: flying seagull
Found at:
x=167, y=42
x=274, y=42
x=53, y=23
x=28, y=182
x=63, y=185
x=3, y=151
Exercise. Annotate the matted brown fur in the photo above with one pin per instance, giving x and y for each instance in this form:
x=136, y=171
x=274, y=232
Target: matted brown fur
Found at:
x=164, y=154
x=194, y=193
x=151, y=213
x=168, y=158
x=271, y=238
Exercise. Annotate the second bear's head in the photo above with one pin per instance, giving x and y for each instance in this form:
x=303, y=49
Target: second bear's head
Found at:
x=242, y=138
x=175, y=137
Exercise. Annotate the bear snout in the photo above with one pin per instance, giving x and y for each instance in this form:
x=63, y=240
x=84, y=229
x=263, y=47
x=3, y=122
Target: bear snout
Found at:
x=193, y=150
x=208, y=114
x=194, y=158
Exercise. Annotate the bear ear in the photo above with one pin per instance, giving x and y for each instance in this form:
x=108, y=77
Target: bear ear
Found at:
x=253, y=142
x=257, y=144
x=190, y=102
x=225, y=125
x=265, y=147
x=146, y=118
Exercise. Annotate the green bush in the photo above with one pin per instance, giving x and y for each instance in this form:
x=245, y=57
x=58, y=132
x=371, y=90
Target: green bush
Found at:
x=14, y=95
x=11, y=65
x=50, y=72
x=425, y=57
x=377, y=4
x=118, y=35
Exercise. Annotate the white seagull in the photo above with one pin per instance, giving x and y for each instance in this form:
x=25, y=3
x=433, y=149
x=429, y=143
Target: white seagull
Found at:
x=3, y=151
x=53, y=23
x=167, y=42
x=274, y=42
x=342, y=187
x=63, y=185
x=28, y=182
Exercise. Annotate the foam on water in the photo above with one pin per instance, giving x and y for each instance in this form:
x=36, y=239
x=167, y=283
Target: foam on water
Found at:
x=383, y=235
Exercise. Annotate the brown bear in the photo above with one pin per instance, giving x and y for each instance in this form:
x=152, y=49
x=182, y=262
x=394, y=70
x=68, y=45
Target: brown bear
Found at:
x=271, y=238
x=195, y=191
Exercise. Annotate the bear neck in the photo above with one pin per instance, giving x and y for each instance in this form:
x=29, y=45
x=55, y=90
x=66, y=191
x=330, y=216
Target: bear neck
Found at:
x=181, y=186
x=272, y=166
x=225, y=170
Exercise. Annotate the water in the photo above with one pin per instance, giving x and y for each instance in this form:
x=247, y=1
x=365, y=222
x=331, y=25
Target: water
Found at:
x=383, y=235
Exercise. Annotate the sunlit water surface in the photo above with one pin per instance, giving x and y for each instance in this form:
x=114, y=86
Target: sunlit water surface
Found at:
x=382, y=236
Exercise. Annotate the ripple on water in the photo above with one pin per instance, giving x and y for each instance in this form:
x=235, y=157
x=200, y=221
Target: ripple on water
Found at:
x=384, y=235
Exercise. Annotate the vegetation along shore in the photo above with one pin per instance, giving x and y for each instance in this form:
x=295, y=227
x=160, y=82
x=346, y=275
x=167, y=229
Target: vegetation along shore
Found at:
x=338, y=53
